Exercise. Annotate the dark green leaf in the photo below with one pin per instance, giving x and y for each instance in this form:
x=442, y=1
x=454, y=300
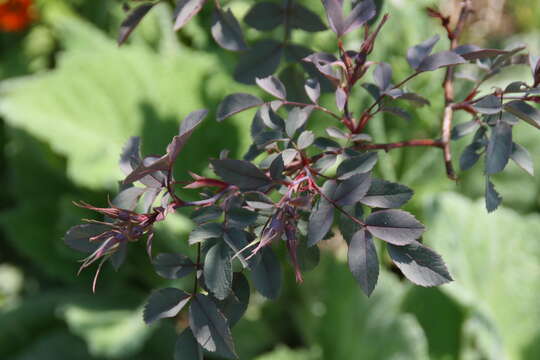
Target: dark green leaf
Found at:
x=128, y=198
x=235, y=305
x=399, y=112
x=308, y=257
x=522, y=158
x=386, y=194
x=241, y=173
x=417, y=53
x=237, y=239
x=185, y=10
x=218, y=270
x=164, y=303
x=305, y=19
x=499, y=148
x=240, y=217
x=258, y=200
x=264, y=16
x=363, y=261
x=336, y=133
x=357, y=165
x=490, y=104
x=273, y=86
x=325, y=162
x=322, y=214
x=133, y=19
x=266, y=275
x=352, y=190
x=205, y=232
x=206, y=214
x=261, y=60
x=226, y=31
x=305, y=139
x=173, y=266
x=235, y=103
x=276, y=168
x=493, y=199
x=420, y=264
x=186, y=347
x=210, y=327
x=326, y=144
x=414, y=98
x=524, y=111
x=394, y=226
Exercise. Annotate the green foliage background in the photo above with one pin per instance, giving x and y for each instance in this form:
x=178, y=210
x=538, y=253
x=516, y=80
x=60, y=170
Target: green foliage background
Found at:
x=70, y=98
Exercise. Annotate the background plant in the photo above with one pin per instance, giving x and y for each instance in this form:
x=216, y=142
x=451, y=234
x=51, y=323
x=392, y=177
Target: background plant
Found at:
x=311, y=120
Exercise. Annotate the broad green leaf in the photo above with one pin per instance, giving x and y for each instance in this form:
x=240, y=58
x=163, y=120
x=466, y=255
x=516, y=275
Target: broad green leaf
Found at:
x=241, y=173
x=99, y=95
x=495, y=261
x=357, y=165
x=490, y=104
x=108, y=333
x=235, y=305
x=264, y=16
x=524, y=111
x=371, y=328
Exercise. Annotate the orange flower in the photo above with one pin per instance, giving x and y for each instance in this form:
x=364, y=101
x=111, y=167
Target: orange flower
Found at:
x=15, y=15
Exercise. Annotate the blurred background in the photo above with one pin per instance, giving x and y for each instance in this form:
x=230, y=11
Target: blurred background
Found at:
x=70, y=98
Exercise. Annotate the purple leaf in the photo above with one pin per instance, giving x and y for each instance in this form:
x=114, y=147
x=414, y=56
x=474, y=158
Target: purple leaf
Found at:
x=261, y=60
x=210, y=327
x=522, y=158
x=313, y=90
x=173, y=266
x=235, y=103
x=490, y=104
x=417, y=53
x=185, y=10
x=186, y=347
x=241, y=173
x=218, y=271
x=420, y=264
x=334, y=12
x=133, y=19
x=363, y=261
x=363, y=12
x=397, y=227
x=385, y=194
x=382, y=75
x=440, y=59
x=302, y=18
x=499, y=148
x=352, y=190
x=273, y=86
x=264, y=16
x=226, y=30
x=191, y=121
x=164, y=303
x=473, y=52
x=322, y=215
x=266, y=275
x=524, y=111
x=341, y=98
